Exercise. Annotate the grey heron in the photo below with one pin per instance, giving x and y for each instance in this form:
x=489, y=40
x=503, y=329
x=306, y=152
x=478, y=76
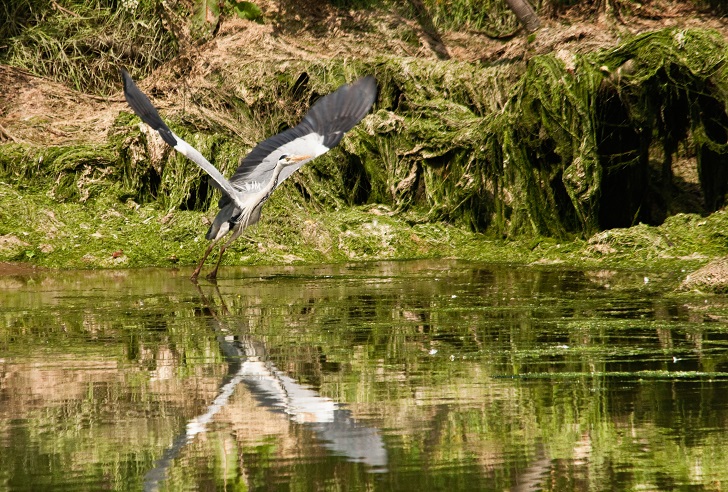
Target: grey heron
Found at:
x=270, y=162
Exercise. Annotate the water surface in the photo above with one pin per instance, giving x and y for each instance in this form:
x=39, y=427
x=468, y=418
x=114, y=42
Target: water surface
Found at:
x=390, y=376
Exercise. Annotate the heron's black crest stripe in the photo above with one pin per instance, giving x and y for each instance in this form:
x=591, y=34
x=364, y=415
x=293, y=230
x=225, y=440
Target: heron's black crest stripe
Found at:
x=143, y=108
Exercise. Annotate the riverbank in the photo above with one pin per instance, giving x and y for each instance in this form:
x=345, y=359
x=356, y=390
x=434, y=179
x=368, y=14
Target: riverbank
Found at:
x=579, y=145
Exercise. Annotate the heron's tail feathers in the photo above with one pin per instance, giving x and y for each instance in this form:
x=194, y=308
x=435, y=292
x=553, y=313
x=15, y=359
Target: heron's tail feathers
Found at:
x=230, y=215
x=223, y=221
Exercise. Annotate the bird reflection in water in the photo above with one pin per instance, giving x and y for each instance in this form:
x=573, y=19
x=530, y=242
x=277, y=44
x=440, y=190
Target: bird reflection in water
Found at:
x=273, y=389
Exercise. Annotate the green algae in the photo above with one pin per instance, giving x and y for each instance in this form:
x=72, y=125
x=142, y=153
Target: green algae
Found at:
x=456, y=160
x=98, y=233
x=104, y=233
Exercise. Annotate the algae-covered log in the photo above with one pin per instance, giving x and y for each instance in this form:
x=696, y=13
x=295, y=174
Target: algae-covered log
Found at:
x=579, y=130
x=568, y=151
x=663, y=90
x=549, y=145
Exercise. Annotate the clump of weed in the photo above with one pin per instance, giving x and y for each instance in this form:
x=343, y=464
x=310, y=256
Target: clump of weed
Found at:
x=81, y=44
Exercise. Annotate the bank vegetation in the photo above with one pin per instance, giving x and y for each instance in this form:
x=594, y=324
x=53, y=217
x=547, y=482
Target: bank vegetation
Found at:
x=599, y=139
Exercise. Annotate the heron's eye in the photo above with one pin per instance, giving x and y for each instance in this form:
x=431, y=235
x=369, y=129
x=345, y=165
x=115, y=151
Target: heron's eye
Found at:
x=283, y=157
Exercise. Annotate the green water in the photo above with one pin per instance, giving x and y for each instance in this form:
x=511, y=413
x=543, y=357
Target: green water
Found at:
x=391, y=376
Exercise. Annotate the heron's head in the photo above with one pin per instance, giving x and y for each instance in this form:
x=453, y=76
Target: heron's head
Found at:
x=291, y=159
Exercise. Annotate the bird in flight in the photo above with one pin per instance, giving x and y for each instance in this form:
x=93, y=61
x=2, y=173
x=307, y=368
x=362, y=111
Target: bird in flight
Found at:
x=270, y=162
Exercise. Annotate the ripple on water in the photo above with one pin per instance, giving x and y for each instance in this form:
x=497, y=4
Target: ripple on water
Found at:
x=403, y=375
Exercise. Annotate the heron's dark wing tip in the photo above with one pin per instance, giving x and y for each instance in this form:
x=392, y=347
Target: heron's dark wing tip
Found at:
x=368, y=84
x=370, y=89
x=368, y=80
x=143, y=108
x=335, y=114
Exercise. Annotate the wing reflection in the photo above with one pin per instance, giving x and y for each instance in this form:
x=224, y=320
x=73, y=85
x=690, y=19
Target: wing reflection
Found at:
x=335, y=427
x=273, y=389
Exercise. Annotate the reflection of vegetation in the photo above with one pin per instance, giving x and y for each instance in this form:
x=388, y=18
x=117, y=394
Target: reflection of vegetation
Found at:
x=478, y=376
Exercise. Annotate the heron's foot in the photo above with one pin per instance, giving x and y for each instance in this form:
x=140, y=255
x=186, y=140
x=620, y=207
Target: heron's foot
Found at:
x=212, y=275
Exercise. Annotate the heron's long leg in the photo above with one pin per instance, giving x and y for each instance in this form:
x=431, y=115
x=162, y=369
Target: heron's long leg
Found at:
x=236, y=234
x=204, y=257
x=213, y=274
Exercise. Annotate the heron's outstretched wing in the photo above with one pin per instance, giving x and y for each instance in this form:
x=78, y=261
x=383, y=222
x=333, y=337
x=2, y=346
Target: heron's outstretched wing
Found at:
x=322, y=128
x=143, y=108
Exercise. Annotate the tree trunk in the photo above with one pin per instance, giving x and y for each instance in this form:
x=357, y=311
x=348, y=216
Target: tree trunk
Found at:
x=525, y=13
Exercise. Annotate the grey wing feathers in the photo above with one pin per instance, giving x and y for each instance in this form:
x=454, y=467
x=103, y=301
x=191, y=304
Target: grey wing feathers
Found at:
x=330, y=117
x=340, y=111
x=144, y=109
x=148, y=113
